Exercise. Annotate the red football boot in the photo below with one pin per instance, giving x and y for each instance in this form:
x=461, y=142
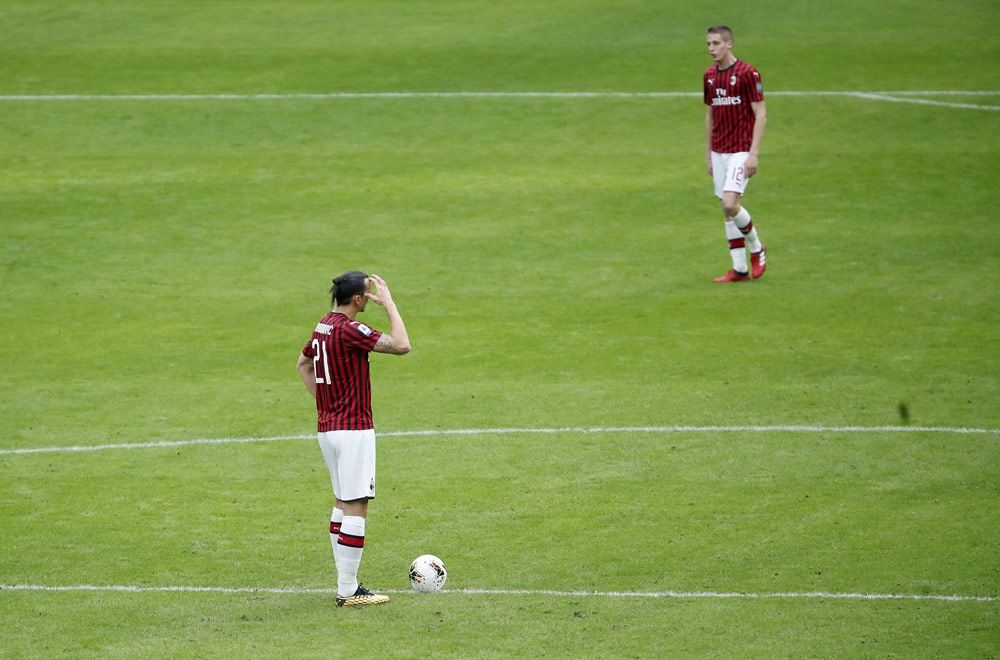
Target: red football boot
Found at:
x=758, y=261
x=733, y=276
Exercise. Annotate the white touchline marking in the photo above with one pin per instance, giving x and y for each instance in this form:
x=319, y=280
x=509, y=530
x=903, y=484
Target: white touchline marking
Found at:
x=792, y=428
x=945, y=92
x=732, y=594
x=696, y=429
x=891, y=96
x=507, y=592
x=149, y=445
x=340, y=95
x=885, y=97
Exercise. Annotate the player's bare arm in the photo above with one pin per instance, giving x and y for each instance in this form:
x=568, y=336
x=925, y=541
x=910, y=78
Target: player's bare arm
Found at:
x=385, y=345
x=306, y=371
x=760, y=113
x=708, y=141
x=396, y=342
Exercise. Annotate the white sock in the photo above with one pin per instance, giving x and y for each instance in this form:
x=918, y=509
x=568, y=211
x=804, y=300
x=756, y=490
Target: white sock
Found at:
x=350, y=546
x=336, y=520
x=745, y=224
x=736, y=247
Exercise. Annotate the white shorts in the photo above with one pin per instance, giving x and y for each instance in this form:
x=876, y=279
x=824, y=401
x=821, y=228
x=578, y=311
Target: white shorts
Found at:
x=729, y=173
x=350, y=457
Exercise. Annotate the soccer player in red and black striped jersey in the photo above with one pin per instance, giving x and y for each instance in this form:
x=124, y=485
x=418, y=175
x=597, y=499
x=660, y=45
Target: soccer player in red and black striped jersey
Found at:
x=734, y=127
x=334, y=367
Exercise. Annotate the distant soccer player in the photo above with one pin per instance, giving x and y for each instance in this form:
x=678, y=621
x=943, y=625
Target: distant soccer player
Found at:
x=334, y=368
x=734, y=126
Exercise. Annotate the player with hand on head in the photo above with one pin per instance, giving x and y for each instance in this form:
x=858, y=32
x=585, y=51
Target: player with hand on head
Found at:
x=734, y=127
x=334, y=367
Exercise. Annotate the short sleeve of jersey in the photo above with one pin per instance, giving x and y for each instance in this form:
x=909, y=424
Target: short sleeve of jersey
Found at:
x=754, y=85
x=708, y=90
x=360, y=336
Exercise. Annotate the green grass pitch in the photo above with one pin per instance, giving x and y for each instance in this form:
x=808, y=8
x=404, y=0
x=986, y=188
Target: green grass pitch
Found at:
x=794, y=457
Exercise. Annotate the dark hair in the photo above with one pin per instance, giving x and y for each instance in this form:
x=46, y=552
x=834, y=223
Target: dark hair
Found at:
x=346, y=286
x=722, y=31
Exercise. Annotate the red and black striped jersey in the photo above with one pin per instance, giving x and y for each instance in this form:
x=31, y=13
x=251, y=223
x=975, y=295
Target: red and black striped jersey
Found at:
x=730, y=93
x=339, y=350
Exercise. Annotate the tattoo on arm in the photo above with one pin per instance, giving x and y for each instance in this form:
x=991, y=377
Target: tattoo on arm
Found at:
x=384, y=345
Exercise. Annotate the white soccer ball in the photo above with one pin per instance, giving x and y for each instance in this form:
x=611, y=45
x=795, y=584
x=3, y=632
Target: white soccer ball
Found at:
x=427, y=574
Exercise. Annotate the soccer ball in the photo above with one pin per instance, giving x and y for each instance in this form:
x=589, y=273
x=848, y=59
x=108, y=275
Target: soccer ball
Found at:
x=427, y=574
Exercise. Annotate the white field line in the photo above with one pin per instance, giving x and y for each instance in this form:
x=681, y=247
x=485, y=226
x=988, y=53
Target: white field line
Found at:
x=149, y=445
x=885, y=97
x=892, y=96
x=345, y=95
x=497, y=431
x=509, y=592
